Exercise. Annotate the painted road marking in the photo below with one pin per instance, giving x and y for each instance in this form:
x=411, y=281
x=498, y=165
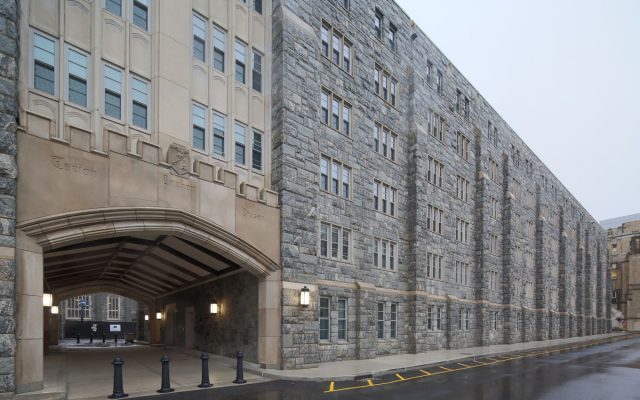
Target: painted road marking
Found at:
x=370, y=382
x=331, y=386
x=400, y=376
x=465, y=365
x=426, y=373
x=445, y=368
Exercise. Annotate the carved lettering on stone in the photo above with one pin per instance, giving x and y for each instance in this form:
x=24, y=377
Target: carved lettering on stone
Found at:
x=178, y=158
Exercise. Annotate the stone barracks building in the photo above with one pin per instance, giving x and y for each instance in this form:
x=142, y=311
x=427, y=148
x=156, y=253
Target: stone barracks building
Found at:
x=239, y=153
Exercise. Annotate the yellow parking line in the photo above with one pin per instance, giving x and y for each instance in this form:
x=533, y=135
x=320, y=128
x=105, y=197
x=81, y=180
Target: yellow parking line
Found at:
x=481, y=363
x=400, y=376
x=492, y=359
x=370, y=382
x=445, y=368
x=465, y=365
x=426, y=373
x=331, y=386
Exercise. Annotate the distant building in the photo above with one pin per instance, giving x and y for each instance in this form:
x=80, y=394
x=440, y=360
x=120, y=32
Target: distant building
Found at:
x=103, y=308
x=624, y=258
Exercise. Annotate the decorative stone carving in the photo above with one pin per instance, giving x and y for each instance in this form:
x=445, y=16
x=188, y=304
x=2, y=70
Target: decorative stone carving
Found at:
x=178, y=158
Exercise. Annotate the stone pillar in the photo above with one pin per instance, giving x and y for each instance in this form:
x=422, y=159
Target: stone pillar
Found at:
x=29, y=314
x=269, y=318
x=365, y=322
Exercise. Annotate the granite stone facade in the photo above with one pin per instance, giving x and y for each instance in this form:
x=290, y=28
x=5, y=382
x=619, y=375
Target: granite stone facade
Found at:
x=8, y=176
x=519, y=259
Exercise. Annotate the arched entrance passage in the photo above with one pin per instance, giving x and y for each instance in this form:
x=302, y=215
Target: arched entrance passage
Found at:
x=146, y=253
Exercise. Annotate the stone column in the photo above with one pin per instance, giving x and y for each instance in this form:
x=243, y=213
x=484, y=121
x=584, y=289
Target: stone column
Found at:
x=269, y=317
x=29, y=314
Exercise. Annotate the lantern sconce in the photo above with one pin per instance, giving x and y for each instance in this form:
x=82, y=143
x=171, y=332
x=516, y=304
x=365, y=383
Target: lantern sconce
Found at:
x=158, y=315
x=146, y=317
x=47, y=299
x=54, y=310
x=304, y=296
x=214, y=308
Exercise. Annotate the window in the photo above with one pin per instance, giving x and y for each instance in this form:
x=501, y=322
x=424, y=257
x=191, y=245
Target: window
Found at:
x=198, y=126
x=387, y=195
x=462, y=146
x=340, y=242
x=437, y=126
x=256, y=153
x=241, y=61
x=439, y=318
x=434, y=266
x=344, y=4
x=429, y=73
x=218, y=134
x=78, y=307
x=257, y=6
x=380, y=324
x=494, y=171
x=462, y=273
x=435, y=171
x=339, y=108
x=493, y=204
x=113, y=308
x=462, y=231
x=434, y=219
x=112, y=92
x=384, y=140
x=256, y=71
x=139, y=102
x=114, y=6
x=240, y=133
x=199, y=27
x=340, y=47
x=493, y=280
x=462, y=188
x=340, y=183
x=141, y=13
x=460, y=311
x=494, y=320
x=77, y=67
x=466, y=320
x=493, y=244
x=44, y=61
x=342, y=319
x=394, y=321
x=439, y=82
x=377, y=24
x=219, y=45
x=429, y=318
x=391, y=36
x=384, y=254
x=324, y=318
x=388, y=90
x=458, y=100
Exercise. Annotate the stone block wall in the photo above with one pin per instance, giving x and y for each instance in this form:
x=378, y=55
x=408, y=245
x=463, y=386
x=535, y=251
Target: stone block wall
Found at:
x=8, y=173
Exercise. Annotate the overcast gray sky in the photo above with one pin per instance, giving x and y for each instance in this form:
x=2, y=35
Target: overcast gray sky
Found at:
x=564, y=74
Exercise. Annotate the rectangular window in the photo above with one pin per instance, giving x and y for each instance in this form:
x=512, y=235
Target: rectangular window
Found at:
x=324, y=173
x=380, y=324
x=44, y=59
x=335, y=233
x=434, y=219
x=141, y=13
x=219, y=46
x=346, y=119
x=388, y=90
x=429, y=318
x=386, y=193
x=394, y=321
x=199, y=27
x=439, y=82
x=466, y=320
x=437, y=126
x=241, y=61
x=324, y=318
x=493, y=244
x=494, y=171
x=340, y=112
x=376, y=251
x=377, y=24
x=256, y=153
x=462, y=146
x=462, y=231
x=78, y=307
x=439, y=319
x=340, y=242
x=462, y=188
x=391, y=36
x=114, y=7
x=218, y=134
x=240, y=132
x=346, y=244
x=376, y=195
x=493, y=203
x=335, y=114
x=257, y=71
x=113, y=308
x=392, y=258
x=384, y=253
x=434, y=266
x=435, y=171
x=77, y=67
x=460, y=319
x=346, y=181
x=112, y=92
x=257, y=6
x=198, y=123
x=324, y=240
x=342, y=319
x=335, y=178
x=325, y=107
x=139, y=102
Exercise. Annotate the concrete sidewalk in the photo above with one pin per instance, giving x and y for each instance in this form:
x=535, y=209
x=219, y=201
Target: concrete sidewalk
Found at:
x=349, y=370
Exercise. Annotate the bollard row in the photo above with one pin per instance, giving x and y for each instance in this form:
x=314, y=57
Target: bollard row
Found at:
x=165, y=385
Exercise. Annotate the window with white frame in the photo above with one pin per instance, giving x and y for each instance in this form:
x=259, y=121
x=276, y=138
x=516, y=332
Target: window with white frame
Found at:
x=434, y=219
x=113, y=308
x=219, y=136
x=198, y=124
x=493, y=244
x=493, y=207
x=394, y=321
x=462, y=188
x=384, y=254
x=459, y=318
x=77, y=75
x=44, y=63
x=336, y=112
x=439, y=82
x=335, y=242
x=436, y=126
x=384, y=198
x=462, y=146
x=434, y=266
x=380, y=321
x=241, y=61
x=493, y=280
x=335, y=177
x=429, y=318
x=256, y=150
x=435, y=171
x=256, y=71
x=78, y=307
x=139, y=102
x=113, y=91
x=114, y=7
x=141, y=14
x=391, y=36
x=342, y=319
x=384, y=141
x=377, y=23
x=462, y=273
x=466, y=319
x=219, y=48
x=439, y=317
x=240, y=147
x=324, y=318
x=494, y=171
x=494, y=320
x=462, y=230
x=199, y=27
x=336, y=47
x=388, y=89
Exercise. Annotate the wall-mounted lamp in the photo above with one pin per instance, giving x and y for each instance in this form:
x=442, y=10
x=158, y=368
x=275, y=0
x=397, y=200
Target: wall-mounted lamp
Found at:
x=214, y=308
x=47, y=299
x=304, y=296
x=146, y=317
x=158, y=315
x=54, y=309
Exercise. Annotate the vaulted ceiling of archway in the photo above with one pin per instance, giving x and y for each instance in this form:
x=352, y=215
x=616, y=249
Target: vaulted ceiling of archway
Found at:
x=150, y=265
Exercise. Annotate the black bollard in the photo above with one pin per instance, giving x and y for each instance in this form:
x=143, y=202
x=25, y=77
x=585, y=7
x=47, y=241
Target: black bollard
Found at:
x=118, y=390
x=116, y=339
x=239, y=372
x=91, y=338
x=77, y=338
x=165, y=387
x=104, y=338
x=205, y=371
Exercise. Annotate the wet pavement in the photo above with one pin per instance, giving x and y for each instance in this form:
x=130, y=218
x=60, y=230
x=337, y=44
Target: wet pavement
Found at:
x=602, y=371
